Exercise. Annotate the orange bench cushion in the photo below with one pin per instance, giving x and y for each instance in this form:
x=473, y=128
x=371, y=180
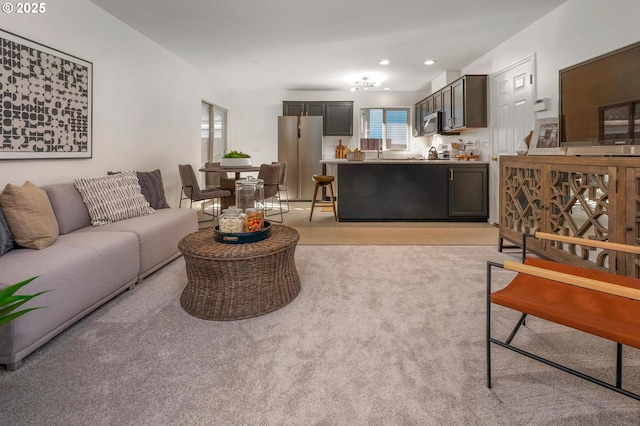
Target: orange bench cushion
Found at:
x=611, y=317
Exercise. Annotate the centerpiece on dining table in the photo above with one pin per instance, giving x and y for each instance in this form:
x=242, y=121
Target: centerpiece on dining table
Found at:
x=244, y=222
x=236, y=159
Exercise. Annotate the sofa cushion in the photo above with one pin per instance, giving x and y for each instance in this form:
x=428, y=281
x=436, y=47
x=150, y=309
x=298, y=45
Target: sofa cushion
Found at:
x=113, y=198
x=82, y=271
x=153, y=189
x=29, y=215
x=158, y=235
x=6, y=238
x=67, y=204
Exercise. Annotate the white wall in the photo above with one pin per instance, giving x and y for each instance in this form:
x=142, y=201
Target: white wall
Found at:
x=576, y=31
x=146, y=101
x=254, y=123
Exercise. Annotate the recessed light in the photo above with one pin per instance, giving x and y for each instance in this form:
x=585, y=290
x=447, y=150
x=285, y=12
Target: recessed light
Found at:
x=429, y=62
x=387, y=88
x=384, y=62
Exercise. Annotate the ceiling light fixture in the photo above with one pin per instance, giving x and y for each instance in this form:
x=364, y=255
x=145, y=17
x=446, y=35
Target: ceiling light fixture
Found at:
x=384, y=62
x=429, y=62
x=365, y=84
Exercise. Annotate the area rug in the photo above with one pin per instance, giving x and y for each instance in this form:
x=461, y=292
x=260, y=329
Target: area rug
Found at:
x=379, y=335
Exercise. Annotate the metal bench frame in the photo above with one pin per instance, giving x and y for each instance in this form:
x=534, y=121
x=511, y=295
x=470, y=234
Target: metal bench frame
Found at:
x=616, y=387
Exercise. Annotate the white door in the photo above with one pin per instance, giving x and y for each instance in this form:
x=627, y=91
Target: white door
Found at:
x=512, y=119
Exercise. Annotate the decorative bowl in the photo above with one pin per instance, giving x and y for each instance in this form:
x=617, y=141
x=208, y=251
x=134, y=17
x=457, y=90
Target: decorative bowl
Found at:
x=235, y=162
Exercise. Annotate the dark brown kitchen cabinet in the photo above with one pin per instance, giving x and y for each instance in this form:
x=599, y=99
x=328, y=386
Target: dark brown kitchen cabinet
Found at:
x=412, y=192
x=447, y=108
x=420, y=110
x=468, y=191
x=437, y=101
x=303, y=108
x=464, y=103
x=338, y=118
x=429, y=108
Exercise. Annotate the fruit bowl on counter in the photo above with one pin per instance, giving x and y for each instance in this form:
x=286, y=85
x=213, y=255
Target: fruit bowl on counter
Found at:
x=356, y=156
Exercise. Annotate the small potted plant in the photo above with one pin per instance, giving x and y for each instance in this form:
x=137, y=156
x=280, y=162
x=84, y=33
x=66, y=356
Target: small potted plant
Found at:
x=235, y=159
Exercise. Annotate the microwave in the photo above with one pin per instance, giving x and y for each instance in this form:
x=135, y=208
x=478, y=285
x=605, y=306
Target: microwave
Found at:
x=432, y=123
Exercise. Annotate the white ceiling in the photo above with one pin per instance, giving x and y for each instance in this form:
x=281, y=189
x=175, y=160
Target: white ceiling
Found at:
x=327, y=44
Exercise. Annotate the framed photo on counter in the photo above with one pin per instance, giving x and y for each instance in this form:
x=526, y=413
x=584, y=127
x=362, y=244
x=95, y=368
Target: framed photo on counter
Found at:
x=545, y=140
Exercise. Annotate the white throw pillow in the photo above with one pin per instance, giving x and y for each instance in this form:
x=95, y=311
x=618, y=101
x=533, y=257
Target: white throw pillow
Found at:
x=113, y=198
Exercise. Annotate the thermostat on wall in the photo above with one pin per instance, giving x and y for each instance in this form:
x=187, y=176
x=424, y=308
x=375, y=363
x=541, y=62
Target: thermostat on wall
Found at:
x=541, y=105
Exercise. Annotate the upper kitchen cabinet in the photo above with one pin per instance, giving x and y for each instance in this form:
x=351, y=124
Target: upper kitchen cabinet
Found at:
x=338, y=116
x=437, y=101
x=303, y=108
x=419, y=111
x=429, y=105
x=464, y=103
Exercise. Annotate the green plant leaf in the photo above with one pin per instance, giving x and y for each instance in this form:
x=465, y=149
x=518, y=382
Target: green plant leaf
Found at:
x=9, y=301
x=11, y=317
x=236, y=154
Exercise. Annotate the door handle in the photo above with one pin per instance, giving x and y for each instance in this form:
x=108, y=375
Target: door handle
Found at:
x=494, y=158
x=450, y=174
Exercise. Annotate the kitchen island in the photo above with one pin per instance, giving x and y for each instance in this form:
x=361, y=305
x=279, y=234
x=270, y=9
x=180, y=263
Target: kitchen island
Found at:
x=411, y=190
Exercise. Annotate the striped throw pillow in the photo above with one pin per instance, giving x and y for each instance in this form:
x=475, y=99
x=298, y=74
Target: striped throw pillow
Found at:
x=113, y=198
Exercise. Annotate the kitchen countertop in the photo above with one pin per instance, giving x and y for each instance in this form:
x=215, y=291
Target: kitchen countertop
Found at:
x=399, y=161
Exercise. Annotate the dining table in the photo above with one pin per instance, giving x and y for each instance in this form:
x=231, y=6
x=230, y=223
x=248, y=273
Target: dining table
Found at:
x=237, y=169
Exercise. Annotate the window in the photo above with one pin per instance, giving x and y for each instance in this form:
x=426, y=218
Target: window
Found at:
x=388, y=127
x=213, y=134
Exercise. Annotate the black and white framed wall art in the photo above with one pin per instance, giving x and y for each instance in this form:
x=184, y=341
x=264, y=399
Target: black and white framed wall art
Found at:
x=46, y=102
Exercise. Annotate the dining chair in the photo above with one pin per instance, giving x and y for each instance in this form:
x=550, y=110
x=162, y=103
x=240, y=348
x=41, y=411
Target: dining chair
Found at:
x=270, y=175
x=191, y=189
x=220, y=180
x=282, y=183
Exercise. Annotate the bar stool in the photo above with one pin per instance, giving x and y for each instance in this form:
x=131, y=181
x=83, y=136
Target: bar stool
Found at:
x=323, y=180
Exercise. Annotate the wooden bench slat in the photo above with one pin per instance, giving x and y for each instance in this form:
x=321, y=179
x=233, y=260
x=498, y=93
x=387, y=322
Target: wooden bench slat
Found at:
x=584, y=282
x=625, y=248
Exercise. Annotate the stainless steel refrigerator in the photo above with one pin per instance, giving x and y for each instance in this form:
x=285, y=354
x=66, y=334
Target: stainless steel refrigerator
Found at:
x=300, y=145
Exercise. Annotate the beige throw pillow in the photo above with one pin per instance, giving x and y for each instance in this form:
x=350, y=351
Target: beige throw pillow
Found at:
x=29, y=215
x=113, y=198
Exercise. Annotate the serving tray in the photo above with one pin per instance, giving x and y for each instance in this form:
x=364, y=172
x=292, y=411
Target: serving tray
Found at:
x=242, y=237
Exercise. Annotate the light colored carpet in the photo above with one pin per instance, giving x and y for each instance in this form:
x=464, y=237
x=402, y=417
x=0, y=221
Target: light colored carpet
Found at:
x=378, y=335
x=323, y=229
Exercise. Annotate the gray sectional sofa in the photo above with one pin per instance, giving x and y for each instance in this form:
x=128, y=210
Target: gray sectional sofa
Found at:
x=85, y=267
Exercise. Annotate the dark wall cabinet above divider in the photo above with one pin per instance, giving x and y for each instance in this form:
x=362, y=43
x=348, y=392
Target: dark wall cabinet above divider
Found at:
x=463, y=104
x=303, y=108
x=338, y=116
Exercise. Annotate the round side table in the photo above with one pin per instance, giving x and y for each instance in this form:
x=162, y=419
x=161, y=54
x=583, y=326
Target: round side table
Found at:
x=238, y=281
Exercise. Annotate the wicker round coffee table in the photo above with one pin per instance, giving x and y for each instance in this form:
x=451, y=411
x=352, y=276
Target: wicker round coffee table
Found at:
x=237, y=281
